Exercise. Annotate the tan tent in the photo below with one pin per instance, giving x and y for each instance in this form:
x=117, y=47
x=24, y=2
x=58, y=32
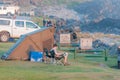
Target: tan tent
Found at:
x=34, y=41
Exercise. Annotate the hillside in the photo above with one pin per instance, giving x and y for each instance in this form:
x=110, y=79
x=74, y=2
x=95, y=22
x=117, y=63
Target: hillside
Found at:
x=90, y=15
x=99, y=15
x=107, y=25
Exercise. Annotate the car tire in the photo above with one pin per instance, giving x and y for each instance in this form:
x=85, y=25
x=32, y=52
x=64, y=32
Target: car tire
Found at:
x=4, y=36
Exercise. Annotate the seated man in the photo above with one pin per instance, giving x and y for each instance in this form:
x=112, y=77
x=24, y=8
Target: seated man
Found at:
x=57, y=54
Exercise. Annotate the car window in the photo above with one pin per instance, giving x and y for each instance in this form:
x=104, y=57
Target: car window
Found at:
x=19, y=23
x=31, y=25
x=4, y=22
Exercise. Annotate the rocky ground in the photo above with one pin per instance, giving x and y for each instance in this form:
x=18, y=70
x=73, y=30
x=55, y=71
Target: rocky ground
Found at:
x=106, y=41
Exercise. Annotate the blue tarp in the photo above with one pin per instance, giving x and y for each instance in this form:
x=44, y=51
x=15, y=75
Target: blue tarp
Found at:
x=36, y=56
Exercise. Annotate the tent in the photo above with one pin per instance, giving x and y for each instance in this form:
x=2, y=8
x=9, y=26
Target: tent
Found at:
x=34, y=41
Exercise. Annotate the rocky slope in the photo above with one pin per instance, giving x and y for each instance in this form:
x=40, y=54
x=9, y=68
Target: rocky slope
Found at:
x=90, y=15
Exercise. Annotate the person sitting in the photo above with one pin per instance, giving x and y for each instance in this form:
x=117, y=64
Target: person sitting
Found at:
x=58, y=54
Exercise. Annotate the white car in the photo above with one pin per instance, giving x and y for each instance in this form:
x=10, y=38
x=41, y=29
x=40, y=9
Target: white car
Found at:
x=14, y=28
x=8, y=9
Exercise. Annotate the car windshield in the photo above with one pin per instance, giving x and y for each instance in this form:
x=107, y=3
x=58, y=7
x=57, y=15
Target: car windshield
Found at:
x=31, y=25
